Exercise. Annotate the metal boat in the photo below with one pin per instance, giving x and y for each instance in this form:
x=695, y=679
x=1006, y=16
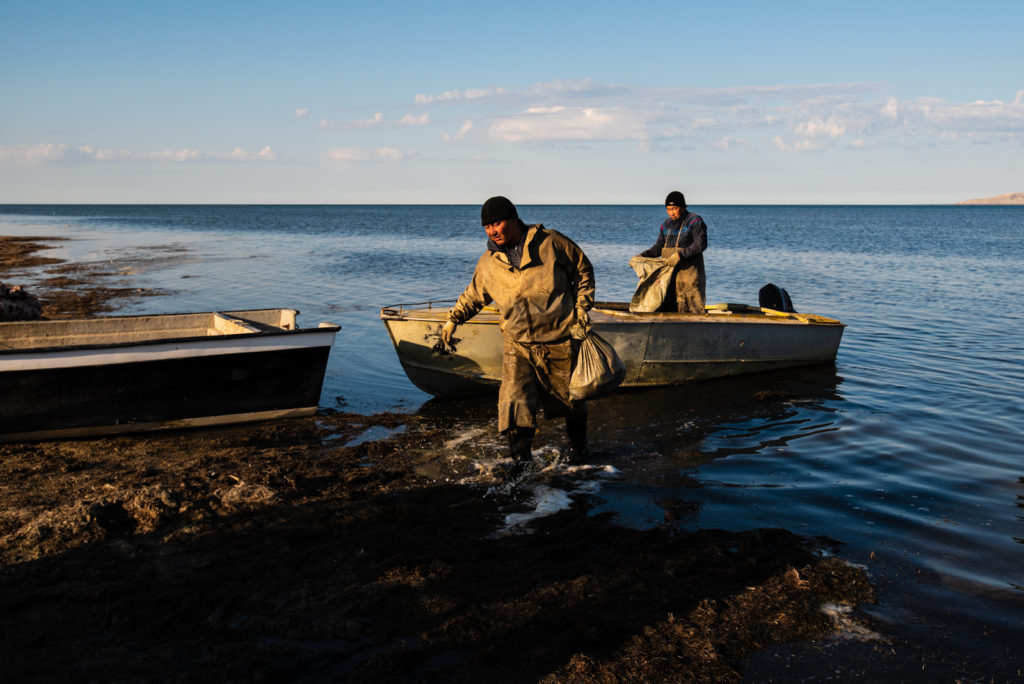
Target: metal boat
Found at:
x=657, y=348
x=94, y=376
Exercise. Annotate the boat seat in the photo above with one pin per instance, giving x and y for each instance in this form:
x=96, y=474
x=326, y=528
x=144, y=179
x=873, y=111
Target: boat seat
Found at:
x=224, y=324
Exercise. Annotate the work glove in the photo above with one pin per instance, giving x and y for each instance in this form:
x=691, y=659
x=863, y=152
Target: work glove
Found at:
x=674, y=258
x=583, y=318
x=582, y=325
x=448, y=333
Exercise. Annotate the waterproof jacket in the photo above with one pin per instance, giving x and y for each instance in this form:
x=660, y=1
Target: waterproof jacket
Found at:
x=689, y=234
x=538, y=300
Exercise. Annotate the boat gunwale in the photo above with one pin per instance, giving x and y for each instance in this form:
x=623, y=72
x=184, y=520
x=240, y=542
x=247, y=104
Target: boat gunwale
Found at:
x=619, y=310
x=50, y=349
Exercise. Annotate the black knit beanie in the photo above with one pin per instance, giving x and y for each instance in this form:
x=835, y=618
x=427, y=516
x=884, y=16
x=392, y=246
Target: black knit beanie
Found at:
x=497, y=209
x=675, y=199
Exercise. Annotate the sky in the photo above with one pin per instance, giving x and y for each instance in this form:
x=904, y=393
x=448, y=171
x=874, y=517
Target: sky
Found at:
x=897, y=102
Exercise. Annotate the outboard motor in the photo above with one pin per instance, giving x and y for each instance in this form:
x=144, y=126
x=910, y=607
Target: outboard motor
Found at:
x=774, y=297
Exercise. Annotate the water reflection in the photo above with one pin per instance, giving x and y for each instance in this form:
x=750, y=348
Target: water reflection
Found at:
x=657, y=439
x=685, y=417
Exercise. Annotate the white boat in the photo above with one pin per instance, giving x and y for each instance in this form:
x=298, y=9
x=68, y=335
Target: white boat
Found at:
x=657, y=348
x=94, y=376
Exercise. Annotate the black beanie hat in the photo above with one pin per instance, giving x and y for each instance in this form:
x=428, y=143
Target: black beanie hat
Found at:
x=675, y=199
x=497, y=209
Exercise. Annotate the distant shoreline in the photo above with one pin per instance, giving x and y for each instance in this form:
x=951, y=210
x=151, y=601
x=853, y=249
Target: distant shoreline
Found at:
x=1008, y=198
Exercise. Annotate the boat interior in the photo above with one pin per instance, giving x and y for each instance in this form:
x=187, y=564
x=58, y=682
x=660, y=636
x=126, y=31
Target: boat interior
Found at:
x=721, y=309
x=104, y=331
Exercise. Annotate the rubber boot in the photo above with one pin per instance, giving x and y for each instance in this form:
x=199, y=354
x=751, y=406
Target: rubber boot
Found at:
x=520, y=443
x=520, y=447
x=576, y=429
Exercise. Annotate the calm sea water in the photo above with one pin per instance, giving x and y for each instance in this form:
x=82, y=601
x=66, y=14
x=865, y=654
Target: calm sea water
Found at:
x=909, y=453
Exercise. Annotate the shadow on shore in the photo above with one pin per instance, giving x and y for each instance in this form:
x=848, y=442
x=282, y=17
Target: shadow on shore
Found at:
x=275, y=553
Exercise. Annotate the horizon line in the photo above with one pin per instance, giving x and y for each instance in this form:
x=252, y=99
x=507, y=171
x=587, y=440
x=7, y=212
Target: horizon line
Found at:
x=536, y=204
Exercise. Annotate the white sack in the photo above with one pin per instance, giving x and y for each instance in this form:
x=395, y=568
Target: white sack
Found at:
x=599, y=370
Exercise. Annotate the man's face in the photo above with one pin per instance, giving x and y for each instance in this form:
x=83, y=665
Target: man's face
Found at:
x=504, y=233
x=674, y=212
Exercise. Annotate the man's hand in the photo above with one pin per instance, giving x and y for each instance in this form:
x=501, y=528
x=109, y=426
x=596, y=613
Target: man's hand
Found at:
x=581, y=326
x=674, y=258
x=448, y=333
x=582, y=318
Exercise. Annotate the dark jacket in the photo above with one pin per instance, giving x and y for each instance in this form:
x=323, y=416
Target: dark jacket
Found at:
x=692, y=234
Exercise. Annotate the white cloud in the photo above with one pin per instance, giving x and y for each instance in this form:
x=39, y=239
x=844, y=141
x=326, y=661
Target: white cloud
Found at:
x=543, y=90
x=301, y=112
x=806, y=145
x=830, y=128
x=805, y=117
x=265, y=154
x=174, y=155
x=50, y=152
x=460, y=134
x=585, y=111
x=376, y=120
x=770, y=95
x=87, y=152
x=562, y=123
x=730, y=143
x=965, y=117
x=459, y=95
x=33, y=153
x=891, y=109
x=365, y=154
x=575, y=89
x=923, y=122
x=411, y=120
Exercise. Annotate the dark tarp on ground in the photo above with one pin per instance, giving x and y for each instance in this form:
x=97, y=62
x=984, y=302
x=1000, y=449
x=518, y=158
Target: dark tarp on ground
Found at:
x=18, y=305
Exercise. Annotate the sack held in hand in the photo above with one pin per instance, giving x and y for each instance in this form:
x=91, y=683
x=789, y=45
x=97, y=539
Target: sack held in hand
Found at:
x=655, y=280
x=599, y=370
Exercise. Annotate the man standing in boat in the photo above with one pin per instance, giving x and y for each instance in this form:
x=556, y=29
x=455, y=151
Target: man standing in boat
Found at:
x=543, y=285
x=682, y=239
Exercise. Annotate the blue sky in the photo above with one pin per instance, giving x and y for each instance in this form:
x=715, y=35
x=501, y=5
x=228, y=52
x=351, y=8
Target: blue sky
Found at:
x=545, y=102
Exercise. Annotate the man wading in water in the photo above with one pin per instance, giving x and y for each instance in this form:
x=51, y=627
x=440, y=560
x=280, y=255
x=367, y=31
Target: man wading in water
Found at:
x=543, y=285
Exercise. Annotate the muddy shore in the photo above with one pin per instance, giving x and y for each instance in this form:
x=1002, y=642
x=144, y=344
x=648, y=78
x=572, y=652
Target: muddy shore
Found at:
x=293, y=551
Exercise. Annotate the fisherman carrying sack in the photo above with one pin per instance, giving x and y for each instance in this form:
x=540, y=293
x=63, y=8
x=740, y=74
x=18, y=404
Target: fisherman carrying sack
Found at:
x=599, y=370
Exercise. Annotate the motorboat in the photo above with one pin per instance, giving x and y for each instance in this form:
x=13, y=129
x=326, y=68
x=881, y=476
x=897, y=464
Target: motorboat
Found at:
x=658, y=348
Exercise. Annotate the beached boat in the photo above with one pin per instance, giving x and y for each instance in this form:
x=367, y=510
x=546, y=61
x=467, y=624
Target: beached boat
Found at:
x=82, y=377
x=657, y=348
